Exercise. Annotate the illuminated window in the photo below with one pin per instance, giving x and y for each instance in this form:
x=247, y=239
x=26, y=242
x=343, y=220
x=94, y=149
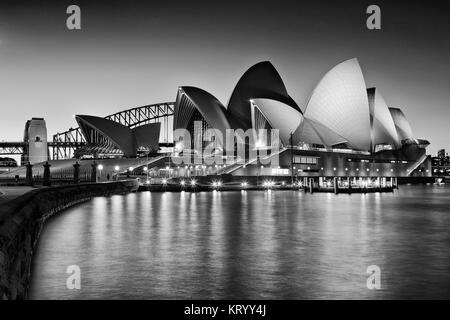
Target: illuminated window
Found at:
x=278, y=171
x=305, y=160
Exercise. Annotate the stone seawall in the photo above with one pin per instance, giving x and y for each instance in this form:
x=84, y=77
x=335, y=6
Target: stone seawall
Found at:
x=22, y=219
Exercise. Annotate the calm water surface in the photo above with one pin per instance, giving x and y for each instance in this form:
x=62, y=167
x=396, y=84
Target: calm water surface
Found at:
x=249, y=244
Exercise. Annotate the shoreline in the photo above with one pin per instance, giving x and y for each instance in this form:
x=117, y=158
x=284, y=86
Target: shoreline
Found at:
x=22, y=220
x=207, y=188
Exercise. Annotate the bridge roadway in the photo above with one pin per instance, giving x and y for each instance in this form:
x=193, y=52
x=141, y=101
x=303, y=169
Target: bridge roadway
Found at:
x=12, y=148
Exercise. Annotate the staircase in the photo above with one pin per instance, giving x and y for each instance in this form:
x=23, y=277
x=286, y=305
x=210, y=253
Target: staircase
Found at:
x=232, y=168
x=417, y=164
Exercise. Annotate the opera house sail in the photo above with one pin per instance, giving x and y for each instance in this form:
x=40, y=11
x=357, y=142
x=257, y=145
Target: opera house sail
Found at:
x=109, y=138
x=339, y=101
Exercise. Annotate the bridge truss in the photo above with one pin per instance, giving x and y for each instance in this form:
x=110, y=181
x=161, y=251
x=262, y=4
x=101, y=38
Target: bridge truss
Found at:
x=11, y=148
x=65, y=143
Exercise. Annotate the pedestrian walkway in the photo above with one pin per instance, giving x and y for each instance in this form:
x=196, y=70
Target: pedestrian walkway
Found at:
x=9, y=193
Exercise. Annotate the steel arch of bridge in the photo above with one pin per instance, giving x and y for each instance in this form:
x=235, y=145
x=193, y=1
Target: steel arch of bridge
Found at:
x=64, y=144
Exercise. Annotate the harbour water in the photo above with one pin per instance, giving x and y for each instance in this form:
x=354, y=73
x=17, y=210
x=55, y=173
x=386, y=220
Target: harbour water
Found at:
x=249, y=244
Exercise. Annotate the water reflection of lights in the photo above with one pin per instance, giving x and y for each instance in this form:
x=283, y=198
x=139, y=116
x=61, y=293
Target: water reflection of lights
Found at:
x=217, y=184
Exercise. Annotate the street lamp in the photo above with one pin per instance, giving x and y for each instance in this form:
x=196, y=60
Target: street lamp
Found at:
x=146, y=171
x=100, y=168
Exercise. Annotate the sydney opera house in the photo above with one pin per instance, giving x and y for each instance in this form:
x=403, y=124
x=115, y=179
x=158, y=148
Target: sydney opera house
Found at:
x=344, y=130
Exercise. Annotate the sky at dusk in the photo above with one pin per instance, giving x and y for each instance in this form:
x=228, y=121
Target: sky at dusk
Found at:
x=132, y=53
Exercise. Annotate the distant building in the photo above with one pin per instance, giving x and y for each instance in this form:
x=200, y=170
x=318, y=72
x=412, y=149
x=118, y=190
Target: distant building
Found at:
x=441, y=164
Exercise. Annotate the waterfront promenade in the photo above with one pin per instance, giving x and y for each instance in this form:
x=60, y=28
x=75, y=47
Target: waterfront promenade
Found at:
x=21, y=221
x=10, y=193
